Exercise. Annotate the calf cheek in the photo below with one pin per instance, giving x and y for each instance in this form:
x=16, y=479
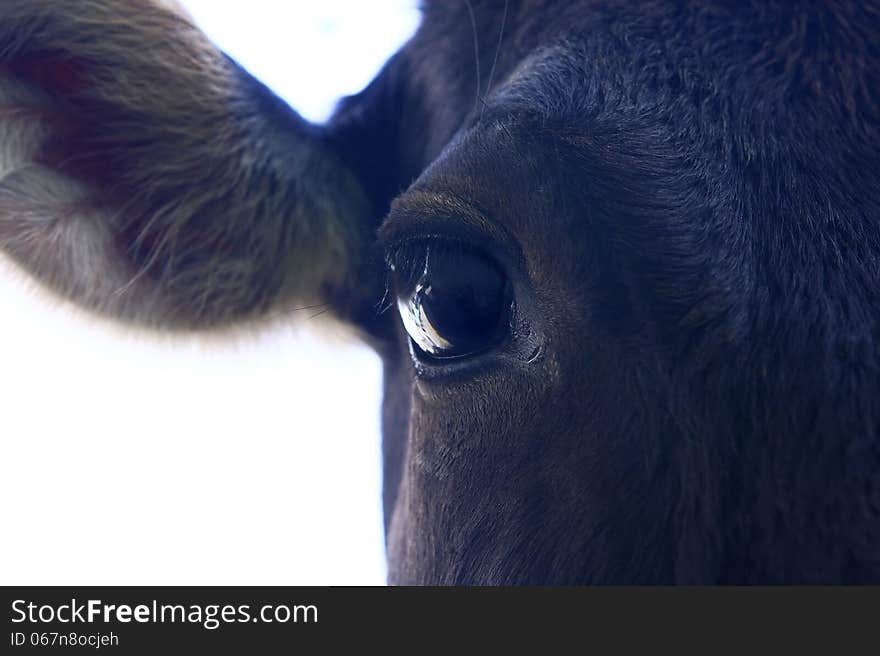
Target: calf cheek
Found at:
x=486, y=484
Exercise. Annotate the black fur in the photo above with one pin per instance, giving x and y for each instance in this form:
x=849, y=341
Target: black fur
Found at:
x=694, y=190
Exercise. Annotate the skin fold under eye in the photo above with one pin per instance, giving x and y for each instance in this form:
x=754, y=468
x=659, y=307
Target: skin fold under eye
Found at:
x=454, y=301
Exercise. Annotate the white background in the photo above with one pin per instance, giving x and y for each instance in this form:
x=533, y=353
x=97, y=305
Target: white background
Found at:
x=130, y=458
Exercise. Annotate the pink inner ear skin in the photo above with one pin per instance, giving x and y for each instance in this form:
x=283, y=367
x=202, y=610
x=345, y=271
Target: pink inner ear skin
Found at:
x=50, y=72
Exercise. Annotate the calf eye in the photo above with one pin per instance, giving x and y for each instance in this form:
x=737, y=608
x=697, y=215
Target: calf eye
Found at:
x=454, y=301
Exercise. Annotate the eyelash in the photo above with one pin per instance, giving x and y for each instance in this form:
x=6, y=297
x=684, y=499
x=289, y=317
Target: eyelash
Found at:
x=406, y=260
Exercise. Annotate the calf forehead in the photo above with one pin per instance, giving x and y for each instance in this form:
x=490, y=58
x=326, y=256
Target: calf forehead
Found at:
x=753, y=75
x=673, y=121
x=702, y=144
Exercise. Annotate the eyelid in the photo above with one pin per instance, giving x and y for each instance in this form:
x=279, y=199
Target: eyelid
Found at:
x=421, y=215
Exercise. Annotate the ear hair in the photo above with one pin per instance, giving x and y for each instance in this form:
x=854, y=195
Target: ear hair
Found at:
x=145, y=175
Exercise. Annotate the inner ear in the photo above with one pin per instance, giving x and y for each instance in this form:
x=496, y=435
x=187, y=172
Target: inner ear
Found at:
x=50, y=71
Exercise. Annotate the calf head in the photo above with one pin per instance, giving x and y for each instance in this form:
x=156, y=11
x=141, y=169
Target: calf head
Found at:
x=621, y=262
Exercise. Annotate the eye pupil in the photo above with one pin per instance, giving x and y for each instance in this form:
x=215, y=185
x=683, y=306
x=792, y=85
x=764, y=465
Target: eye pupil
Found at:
x=459, y=304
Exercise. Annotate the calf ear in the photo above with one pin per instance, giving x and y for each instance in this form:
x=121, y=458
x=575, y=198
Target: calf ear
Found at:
x=144, y=175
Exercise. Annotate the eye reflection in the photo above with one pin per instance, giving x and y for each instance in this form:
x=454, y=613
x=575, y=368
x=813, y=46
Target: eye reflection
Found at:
x=457, y=305
x=419, y=327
